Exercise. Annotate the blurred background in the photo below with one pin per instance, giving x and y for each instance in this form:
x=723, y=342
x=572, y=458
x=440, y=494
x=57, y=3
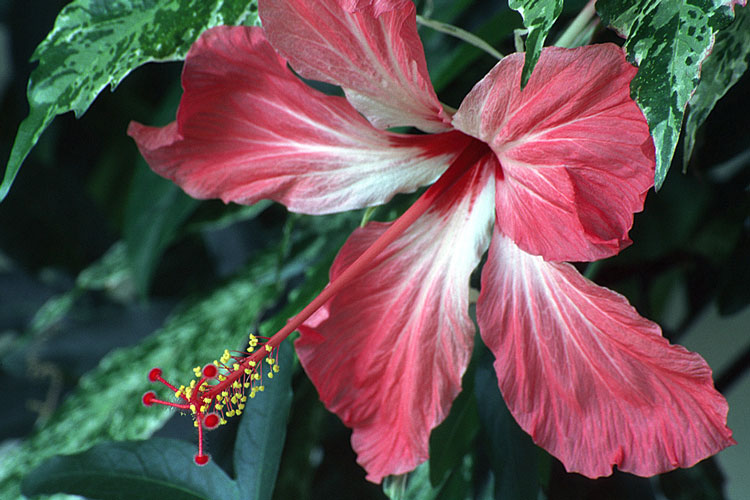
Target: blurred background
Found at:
x=84, y=193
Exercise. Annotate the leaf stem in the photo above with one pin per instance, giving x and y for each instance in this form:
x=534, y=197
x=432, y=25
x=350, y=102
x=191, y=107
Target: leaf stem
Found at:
x=577, y=27
x=461, y=34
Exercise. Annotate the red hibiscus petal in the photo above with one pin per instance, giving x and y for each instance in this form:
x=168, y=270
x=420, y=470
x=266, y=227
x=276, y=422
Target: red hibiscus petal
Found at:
x=388, y=353
x=249, y=129
x=593, y=382
x=372, y=50
x=379, y=6
x=575, y=150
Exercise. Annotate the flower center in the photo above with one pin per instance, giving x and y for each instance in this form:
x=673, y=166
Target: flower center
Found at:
x=222, y=388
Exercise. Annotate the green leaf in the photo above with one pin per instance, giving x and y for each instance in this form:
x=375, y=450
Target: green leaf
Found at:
x=158, y=469
x=110, y=273
x=412, y=486
x=260, y=437
x=155, y=211
x=538, y=17
x=455, y=437
x=512, y=453
x=704, y=480
x=416, y=485
x=668, y=41
x=725, y=65
x=96, y=43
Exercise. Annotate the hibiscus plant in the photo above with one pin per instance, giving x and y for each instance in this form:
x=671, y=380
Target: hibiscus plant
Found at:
x=420, y=283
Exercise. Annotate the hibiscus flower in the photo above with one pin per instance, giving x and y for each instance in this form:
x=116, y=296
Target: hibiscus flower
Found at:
x=534, y=178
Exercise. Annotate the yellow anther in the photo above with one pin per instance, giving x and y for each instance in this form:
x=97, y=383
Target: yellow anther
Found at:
x=236, y=384
x=246, y=385
x=238, y=412
x=178, y=393
x=236, y=366
x=192, y=408
x=268, y=348
x=276, y=368
x=195, y=423
x=222, y=378
x=251, y=363
x=234, y=400
x=192, y=384
x=252, y=394
x=226, y=356
x=248, y=371
x=218, y=407
x=261, y=388
x=222, y=422
x=250, y=349
x=241, y=406
x=206, y=400
x=230, y=413
x=256, y=376
x=243, y=399
x=270, y=361
x=270, y=374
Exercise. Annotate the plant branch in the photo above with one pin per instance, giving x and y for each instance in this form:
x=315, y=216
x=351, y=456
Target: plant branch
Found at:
x=457, y=32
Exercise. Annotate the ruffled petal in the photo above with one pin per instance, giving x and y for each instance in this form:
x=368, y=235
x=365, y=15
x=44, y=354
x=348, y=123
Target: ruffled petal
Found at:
x=575, y=150
x=371, y=49
x=593, y=382
x=248, y=129
x=387, y=354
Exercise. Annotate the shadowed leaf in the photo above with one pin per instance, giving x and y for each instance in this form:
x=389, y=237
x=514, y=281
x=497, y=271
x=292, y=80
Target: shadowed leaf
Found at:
x=725, y=65
x=158, y=469
x=96, y=43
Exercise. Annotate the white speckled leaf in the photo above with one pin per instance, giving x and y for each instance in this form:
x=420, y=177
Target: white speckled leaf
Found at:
x=96, y=43
x=668, y=41
x=538, y=18
x=725, y=65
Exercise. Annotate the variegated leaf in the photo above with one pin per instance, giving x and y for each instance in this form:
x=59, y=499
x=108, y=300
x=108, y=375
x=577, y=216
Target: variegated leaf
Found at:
x=669, y=42
x=538, y=18
x=725, y=65
x=96, y=43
